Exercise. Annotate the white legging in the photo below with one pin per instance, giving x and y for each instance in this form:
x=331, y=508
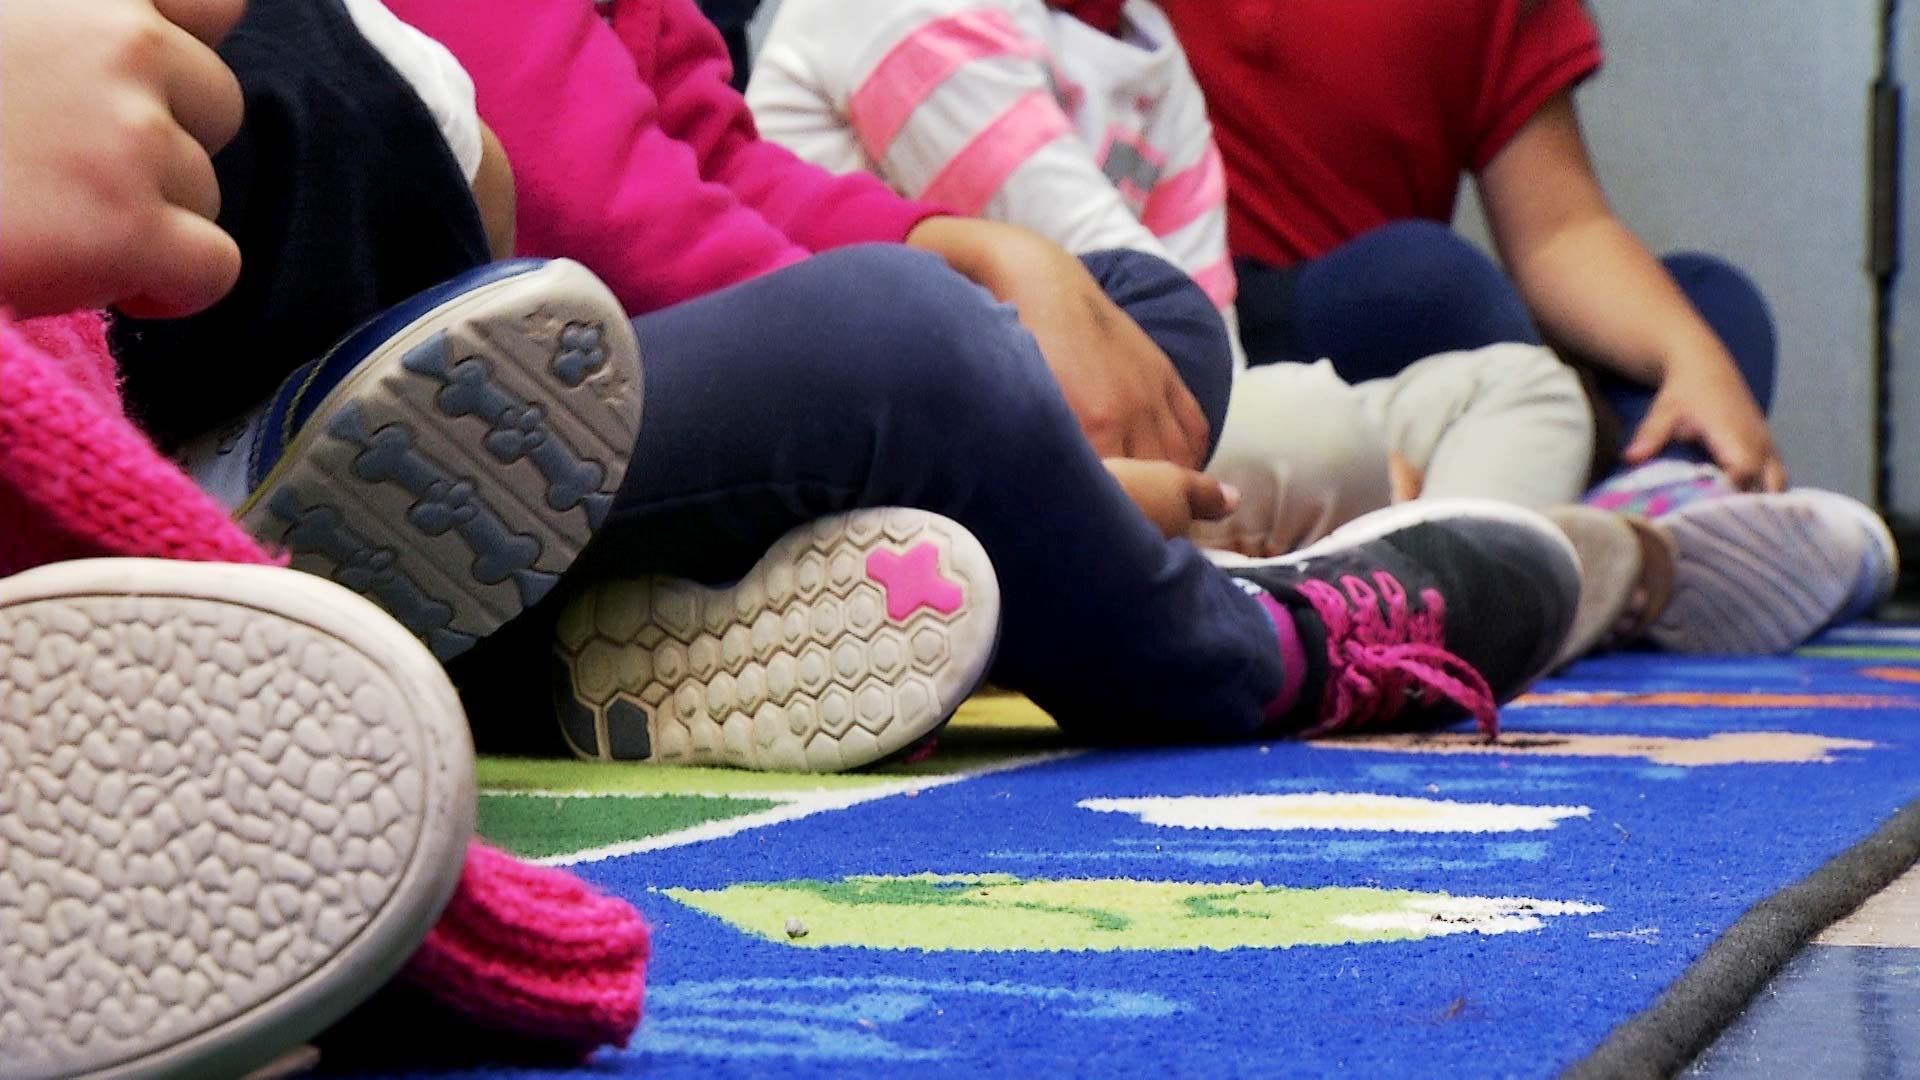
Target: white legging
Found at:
x=1309, y=452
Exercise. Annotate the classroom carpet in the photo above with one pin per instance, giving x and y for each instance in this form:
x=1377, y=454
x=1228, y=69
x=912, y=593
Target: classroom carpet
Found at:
x=1598, y=893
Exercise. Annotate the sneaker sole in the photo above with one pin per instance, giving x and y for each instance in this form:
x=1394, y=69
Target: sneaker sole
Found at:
x=461, y=468
x=234, y=800
x=850, y=640
x=1756, y=574
x=1879, y=572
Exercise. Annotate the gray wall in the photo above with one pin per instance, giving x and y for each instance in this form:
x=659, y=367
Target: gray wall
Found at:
x=1740, y=128
x=1904, y=451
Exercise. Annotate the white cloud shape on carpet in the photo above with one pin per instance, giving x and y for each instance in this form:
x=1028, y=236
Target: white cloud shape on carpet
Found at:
x=1341, y=812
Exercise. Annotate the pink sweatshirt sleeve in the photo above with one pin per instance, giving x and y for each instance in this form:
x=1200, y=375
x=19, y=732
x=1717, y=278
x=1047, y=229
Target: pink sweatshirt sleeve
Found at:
x=599, y=179
x=815, y=208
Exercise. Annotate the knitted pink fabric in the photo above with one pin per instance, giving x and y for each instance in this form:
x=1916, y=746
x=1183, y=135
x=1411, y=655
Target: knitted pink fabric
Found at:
x=533, y=952
x=96, y=486
x=520, y=950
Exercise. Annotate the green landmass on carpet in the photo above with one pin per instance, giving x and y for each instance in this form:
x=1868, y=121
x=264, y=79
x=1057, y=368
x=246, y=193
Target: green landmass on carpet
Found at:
x=1861, y=652
x=539, y=826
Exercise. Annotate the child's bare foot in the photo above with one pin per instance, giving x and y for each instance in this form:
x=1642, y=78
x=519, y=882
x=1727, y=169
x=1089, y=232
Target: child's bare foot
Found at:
x=1172, y=497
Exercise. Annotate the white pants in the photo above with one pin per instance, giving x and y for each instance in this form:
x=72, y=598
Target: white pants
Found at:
x=1309, y=452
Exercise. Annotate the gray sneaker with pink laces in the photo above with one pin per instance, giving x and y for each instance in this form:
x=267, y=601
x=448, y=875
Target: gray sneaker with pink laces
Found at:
x=1422, y=614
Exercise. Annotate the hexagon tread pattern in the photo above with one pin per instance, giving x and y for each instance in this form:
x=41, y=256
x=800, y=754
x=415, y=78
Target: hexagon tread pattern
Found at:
x=850, y=640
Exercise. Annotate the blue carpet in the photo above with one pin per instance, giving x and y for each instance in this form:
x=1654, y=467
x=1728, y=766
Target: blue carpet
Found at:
x=1260, y=910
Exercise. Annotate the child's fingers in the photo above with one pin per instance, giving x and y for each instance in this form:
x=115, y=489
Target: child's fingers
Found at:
x=1774, y=477
x=1208, y=499
x=1192, y=421
x=202, y=92
x=191, y=264
x=187, y=179
x=208, y=20
x=1653, y=435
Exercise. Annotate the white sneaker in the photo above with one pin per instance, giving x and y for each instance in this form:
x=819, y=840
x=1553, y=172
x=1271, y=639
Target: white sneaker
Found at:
x=233, y=800
x=1760, y=574
x=1879, y=571
x=852, y=639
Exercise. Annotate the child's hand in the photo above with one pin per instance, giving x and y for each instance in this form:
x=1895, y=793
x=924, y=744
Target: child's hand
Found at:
x=1128, y=398
x=109, y=112
x=1172, y=497
x=1705, y=400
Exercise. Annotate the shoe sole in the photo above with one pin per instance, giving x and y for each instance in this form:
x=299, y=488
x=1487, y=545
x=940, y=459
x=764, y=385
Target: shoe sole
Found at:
x=460, y=469
x=1756, y=574
x=850, y=640
x=1880, y=572
x=234, y=799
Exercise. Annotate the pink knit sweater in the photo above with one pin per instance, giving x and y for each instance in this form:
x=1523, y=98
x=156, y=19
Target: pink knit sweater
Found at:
x=632, y=155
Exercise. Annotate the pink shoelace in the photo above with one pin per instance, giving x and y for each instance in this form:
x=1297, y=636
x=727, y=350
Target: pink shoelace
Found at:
x=1380, y=663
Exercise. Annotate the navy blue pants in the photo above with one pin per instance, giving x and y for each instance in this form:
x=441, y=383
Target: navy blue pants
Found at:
x=1411, y=289
x=875, y=376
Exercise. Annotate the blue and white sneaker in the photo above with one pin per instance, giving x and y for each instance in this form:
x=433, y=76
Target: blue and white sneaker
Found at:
x=450, y=458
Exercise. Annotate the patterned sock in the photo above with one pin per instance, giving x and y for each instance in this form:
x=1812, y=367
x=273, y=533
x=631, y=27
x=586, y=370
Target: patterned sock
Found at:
x=1660, y=487
x=532, y=955
x=1293, y=653
x=96, y=486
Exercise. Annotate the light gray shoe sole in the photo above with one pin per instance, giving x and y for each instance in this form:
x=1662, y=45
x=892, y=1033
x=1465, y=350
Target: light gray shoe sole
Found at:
x=233, y=800
x=1879, y=572
x=460, y=470
x=1757, y=574
x=850, y=640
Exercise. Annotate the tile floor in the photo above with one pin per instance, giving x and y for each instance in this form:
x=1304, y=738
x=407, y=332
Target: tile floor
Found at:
x=1848, y=1006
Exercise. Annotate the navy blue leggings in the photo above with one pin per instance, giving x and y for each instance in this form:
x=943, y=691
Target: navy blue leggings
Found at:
x=875, y=376
x=1411, y=289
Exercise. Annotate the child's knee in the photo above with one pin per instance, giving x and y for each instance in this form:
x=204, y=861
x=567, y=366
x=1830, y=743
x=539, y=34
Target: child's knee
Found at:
x=1450, y=286
x=1528, y=383
x=1306, y=455
x=925, y=341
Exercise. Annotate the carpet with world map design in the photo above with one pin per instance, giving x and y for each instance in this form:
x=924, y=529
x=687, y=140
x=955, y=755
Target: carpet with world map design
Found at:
x=1597, y=892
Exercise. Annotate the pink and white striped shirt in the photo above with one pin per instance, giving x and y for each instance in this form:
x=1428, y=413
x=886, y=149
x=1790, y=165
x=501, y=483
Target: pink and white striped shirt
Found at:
x=1010, y=110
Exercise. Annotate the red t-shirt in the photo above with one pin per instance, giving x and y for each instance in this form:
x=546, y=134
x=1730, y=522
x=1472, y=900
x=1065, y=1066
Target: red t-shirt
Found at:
x=1336, y=116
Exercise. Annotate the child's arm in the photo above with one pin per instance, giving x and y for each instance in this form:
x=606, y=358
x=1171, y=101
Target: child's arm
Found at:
x=1598, y=292
x=1128, y=397
x=597, y=178
x=814, y=208
x=948, y=100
